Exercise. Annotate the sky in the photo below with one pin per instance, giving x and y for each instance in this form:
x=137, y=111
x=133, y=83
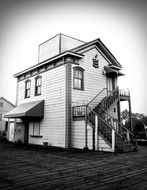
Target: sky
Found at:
x=121, y=25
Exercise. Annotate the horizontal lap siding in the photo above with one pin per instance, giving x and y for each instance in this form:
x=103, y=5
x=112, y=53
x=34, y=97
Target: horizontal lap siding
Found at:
x=78, y=134
x=78, y=137
x=52, y=127
x=3, y=110
x=94, y=80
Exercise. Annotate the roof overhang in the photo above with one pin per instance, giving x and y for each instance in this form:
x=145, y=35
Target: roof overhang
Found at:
x=112, y=72
x=64, y=54
x=28, y=110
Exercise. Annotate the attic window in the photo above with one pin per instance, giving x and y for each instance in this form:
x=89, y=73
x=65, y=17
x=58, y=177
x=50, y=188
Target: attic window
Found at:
x=78, y=78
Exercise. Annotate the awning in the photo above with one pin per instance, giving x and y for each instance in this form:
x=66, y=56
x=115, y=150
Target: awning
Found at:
x=111, y=71
x=31, y=109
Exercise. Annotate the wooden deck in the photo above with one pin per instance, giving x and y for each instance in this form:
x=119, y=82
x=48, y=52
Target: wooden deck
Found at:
x=34, y=168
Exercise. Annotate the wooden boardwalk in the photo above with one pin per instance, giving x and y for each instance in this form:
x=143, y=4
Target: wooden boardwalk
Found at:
x=34, y=168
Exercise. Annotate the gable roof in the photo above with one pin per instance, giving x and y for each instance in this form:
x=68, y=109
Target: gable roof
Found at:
x=7, y=101
x=103, y=48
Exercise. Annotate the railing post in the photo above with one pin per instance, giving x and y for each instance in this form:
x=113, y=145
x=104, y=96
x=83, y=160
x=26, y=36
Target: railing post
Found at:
x=128, y=136
x=96, y=132
x=113, y=140
x=86, y=115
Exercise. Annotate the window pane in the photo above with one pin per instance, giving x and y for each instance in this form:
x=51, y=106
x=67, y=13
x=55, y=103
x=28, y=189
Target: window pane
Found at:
x=38, y=83
x=31, y=128
x=36, y=128
x=38, y=90
x=28, y=85
x=78, y=78
x=76, y=74
x=80, y=74
x=28, y=93
x=79, y=84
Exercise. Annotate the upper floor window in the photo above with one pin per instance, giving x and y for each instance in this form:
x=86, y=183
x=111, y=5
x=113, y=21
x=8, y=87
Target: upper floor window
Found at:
x=38, y=81
x=78, y=78
x=27, y=88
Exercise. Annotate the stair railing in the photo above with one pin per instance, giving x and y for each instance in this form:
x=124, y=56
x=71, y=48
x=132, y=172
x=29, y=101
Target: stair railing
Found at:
x=112, y=96
x=99, y=97
x=119, y=128
x=104, y=128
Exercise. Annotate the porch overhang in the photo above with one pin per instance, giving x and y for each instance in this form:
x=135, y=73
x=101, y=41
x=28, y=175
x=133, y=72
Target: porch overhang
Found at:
x=111, y=71
x=33, y=109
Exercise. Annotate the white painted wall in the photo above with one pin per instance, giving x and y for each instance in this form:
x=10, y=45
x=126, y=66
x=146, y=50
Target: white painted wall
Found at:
x=94, y=80
x=78, y=138
x=53, y=92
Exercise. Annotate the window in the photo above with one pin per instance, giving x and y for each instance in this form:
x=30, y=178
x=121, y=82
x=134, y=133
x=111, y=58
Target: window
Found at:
x=34, y=129
x=78, y=78
x=27, y=89
x=38, y=81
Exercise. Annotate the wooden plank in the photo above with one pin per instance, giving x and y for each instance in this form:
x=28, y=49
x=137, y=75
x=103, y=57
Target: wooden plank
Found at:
x=26, y=167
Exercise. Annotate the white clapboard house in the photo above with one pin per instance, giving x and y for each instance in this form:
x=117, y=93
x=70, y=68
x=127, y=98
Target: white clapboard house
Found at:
x=71, y=99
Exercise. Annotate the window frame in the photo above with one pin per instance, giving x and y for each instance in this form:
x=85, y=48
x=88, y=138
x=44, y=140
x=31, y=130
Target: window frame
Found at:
x=35, y=125
x=79, y=69
x=27, y=89
x=38, y=86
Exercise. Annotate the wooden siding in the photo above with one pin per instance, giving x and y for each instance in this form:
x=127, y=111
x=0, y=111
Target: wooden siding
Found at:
x=3, y=110
x=78, y=138
x=52, y=127
x=78, y=134
x=94, y=80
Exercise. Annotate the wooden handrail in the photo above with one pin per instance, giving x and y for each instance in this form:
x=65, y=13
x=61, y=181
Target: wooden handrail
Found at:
x=118, y=122
x=112, y=92
x=111, y=127
x=96, y=96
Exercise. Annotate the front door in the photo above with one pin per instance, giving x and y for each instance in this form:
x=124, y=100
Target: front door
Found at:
x=111, y=83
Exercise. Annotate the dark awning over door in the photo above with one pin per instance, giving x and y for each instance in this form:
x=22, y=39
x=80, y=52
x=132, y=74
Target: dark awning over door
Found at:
x=31, y=109
x=111, y=71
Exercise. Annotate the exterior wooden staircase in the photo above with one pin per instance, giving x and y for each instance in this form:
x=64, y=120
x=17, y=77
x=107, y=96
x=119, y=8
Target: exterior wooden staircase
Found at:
x=124, y=138
x=110, y=129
